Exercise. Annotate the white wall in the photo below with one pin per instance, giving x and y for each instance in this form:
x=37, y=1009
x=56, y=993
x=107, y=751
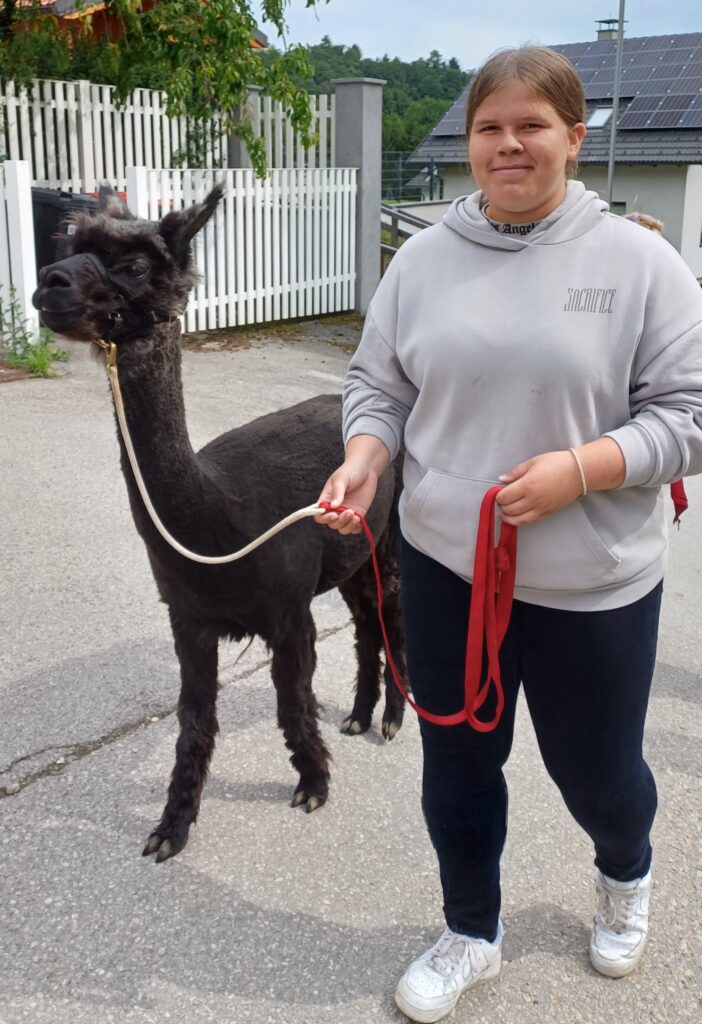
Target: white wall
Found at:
x=658, y=190
x=691, y=247
x=457, y=181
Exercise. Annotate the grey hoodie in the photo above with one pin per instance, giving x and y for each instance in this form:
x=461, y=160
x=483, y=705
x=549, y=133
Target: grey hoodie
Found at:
x=481, y=350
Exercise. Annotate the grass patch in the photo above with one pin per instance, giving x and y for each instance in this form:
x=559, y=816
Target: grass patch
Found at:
x=19, y=349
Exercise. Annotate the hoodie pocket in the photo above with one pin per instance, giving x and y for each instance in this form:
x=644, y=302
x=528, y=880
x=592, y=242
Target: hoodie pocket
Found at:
x=563, y=552
x=441, y=517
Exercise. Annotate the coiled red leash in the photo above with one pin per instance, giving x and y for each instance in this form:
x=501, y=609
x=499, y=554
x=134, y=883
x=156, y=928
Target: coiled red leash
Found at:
x=494, y=574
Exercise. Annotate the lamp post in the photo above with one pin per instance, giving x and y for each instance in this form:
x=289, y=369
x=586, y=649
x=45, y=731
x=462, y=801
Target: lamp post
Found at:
x=615, y=101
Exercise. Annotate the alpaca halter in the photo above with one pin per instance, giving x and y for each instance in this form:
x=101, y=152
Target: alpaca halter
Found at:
x=492, y=589
x=111, y=367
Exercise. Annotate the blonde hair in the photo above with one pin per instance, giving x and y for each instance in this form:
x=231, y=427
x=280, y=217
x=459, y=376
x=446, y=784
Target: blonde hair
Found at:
x=646, y=221
x=547, y=73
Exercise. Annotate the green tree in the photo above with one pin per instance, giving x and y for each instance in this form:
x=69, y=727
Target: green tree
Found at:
x=417, y=93
x=197, y=51
x=405, y=131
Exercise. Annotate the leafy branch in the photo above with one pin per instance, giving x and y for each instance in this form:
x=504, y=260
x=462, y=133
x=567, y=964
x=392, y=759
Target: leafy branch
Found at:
x=198, y=52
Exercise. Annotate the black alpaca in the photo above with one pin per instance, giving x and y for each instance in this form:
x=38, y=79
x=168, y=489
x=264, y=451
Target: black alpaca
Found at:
x=126, y=281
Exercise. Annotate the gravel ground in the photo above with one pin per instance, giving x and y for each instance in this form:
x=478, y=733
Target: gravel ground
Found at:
x=269, y=914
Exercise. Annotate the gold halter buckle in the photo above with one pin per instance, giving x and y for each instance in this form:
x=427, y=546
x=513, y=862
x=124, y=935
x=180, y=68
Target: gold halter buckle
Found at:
x=111, y=349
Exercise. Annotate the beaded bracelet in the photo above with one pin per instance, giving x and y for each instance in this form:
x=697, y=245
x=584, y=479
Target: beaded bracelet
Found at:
x=581, y=470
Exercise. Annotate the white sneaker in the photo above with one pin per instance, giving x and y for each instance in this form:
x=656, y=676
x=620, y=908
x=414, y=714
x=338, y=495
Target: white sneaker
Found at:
x=621, y=925
x=431, y=986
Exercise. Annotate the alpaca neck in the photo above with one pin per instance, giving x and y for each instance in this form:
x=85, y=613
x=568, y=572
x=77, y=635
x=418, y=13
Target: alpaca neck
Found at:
x=150, y=381
x=152, y=393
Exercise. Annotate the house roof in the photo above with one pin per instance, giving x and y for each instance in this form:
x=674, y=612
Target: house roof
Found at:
x=79, y=8
x=660, y=107
x=63, y=7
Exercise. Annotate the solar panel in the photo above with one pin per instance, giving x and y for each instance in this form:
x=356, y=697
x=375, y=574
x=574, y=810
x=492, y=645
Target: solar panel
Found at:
x=665, y=119
x=454, y=120
x=634, y=121
x=692, y=118
x=661, y=74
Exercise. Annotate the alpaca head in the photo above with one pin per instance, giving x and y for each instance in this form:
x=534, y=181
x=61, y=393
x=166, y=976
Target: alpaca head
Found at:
x=124, y=274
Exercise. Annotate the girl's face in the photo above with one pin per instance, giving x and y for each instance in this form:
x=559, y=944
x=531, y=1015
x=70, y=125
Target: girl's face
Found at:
x=518, y=149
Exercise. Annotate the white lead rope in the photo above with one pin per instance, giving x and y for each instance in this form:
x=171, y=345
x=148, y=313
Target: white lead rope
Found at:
x=294, y=517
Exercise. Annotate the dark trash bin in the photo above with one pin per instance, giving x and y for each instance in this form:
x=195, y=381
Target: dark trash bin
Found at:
x=51, y=208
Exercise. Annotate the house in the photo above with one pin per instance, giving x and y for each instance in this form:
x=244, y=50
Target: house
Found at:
x=658, y=147
x=104, y=23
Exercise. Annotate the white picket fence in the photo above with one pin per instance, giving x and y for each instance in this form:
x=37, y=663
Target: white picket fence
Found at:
x=275, y=249
x=74, y=137
x=17, y=263
x=283, y=147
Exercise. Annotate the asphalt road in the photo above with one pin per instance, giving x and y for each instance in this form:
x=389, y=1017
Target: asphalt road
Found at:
x=269, y=915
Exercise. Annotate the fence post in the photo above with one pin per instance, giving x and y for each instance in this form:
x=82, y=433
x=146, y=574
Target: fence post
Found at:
x=84, y=123
x=358, y=143
x=237, y=153
x=138, y=192
x=20, y=236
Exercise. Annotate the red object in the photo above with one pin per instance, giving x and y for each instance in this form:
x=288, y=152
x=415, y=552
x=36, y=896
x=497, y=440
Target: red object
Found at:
x=494, y=574
x=677, y=493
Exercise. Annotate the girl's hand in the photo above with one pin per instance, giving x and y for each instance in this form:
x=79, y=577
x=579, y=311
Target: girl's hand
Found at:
x=354, y=485
x=536, y=488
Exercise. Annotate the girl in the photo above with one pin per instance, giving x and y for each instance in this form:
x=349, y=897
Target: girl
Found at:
x=534, y=340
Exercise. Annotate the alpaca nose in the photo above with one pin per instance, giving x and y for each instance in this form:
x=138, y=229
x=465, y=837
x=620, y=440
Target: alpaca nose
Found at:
x=55, y=277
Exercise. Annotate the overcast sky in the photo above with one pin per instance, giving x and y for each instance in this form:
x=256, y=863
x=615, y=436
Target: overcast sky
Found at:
x=464, y=29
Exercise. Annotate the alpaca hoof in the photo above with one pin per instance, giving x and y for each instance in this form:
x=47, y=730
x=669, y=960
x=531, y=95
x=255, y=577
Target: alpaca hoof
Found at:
x=352, y=726
x=311, y=802
x=152, y=845
x=163, y=846
x=391, y=729
x=165, y=851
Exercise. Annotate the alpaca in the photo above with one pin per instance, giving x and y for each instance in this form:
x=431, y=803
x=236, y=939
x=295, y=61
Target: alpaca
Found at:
x=126, y=281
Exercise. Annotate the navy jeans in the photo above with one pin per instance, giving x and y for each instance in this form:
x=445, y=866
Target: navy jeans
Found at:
x=586, y=678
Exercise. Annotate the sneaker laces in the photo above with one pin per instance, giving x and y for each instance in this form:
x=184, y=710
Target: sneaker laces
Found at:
x=448, y=953
x=616, y=911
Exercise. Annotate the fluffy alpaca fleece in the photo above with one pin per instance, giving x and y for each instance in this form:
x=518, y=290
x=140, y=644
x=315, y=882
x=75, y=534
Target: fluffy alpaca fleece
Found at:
x=125, y=281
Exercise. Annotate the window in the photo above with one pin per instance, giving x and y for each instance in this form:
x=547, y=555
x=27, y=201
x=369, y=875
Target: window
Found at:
x=599, y=117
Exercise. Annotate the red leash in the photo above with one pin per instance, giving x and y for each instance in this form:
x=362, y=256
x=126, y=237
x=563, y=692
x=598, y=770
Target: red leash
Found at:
x=677, y=493
x=494, y=574
x=490, y=608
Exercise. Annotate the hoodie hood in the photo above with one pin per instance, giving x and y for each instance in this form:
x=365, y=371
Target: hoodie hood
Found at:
x=580, y=212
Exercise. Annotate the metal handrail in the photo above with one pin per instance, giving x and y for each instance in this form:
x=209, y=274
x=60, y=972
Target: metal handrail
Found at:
x=396, y=213
x=397, y=233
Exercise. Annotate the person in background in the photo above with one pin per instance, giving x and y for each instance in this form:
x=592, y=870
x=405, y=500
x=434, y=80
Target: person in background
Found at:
x=646, y=221
x=532, y=340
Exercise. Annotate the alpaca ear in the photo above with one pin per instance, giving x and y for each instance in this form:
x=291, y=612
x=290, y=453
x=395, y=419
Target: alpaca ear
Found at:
x=179, y=227
x=110, y=203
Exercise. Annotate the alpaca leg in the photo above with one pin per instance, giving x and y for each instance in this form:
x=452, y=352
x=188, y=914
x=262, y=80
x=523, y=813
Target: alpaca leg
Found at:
x=197, y=714
x=360, y=595
x=394, y=711
x=293, y=665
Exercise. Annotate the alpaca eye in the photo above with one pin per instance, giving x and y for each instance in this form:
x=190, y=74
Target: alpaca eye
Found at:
x=137, y=269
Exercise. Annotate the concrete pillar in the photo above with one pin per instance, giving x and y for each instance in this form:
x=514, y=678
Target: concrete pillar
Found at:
x=358, y=143
x=237, y=153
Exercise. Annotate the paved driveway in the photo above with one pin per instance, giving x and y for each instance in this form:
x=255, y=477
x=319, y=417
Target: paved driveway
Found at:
x=269, y=914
